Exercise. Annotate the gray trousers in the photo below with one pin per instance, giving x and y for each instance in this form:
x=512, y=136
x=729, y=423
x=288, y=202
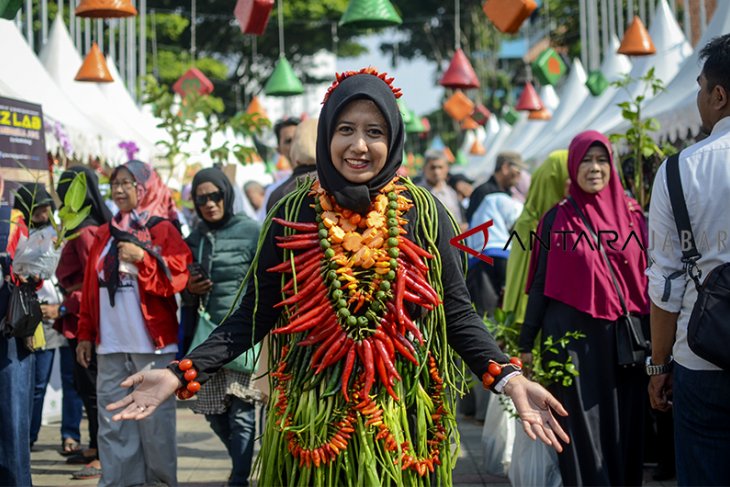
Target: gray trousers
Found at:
x=134, y=452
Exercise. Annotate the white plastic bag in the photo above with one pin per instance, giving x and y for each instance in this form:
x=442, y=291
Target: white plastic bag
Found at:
x=36, y=255
x=498, y=437
x=533, y=462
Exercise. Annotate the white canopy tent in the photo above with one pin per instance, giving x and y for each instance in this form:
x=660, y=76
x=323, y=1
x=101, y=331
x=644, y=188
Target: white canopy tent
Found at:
x=572, y=95
x=675, y=108
x=613, y=68
x=25, y=78
x=672, y=49
x=61, y=60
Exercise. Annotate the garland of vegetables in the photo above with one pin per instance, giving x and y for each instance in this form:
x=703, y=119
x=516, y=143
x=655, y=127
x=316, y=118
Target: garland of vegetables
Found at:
x=363, y=393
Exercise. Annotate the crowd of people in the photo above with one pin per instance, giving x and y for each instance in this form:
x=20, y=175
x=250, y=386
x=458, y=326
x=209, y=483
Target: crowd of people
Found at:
x=340, y=281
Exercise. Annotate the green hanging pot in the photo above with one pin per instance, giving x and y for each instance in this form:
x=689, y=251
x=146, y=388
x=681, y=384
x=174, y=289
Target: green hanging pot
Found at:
x=404, y=111
x=415, y=126
x=510, y=115
x=370, y=14
x=9, y=8
x=597, y=82
x=461, y=159
x=283, y=81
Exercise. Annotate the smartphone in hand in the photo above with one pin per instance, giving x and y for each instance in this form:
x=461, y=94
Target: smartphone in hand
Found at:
x=196, y=269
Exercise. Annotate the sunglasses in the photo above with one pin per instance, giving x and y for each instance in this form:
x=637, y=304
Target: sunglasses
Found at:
x=202, y=199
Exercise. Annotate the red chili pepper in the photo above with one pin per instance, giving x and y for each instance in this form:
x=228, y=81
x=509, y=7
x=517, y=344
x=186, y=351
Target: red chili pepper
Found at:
x=347, y=371
x=400, y=288
x=413, y=298
x=392, y=372
x=298, y=226
x=410, y=326
x=413, y=257
x=299, y=244
x=303, y=274
x=381, y=336
x=315, y=457
x=316, y=300
x=304, y=322
x=368, y=363
x=303, y=257
x=384, y=377
x=420, y=284
x=309, y=287
x=404, y=347
x=326, y=346
x=394, y=317
x=338, y=348
x=319, y=334
x=296, y=236
x=418, y=250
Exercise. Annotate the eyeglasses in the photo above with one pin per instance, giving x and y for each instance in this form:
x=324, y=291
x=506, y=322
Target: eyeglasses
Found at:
x=202, y=199
x=125, y=184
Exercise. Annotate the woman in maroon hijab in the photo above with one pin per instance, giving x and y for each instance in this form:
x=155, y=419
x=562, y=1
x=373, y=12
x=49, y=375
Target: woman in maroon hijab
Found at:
x=570, y=289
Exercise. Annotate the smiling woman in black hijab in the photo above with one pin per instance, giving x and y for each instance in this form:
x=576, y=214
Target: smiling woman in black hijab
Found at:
x=364, y=321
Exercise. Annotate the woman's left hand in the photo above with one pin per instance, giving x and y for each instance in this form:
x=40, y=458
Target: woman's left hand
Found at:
x=129, y=252
x=534, y=405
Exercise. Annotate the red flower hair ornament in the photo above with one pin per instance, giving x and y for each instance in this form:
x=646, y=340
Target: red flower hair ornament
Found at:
x=369, y=70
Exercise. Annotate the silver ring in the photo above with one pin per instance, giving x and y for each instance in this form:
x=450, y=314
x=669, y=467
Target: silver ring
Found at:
x=141, y=408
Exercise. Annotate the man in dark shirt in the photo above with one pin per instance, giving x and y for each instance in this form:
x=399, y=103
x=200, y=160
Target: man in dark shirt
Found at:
x=506, y=174
x=303, y=159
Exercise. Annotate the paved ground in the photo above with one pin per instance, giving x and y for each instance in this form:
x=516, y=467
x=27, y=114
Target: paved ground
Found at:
x=204, y=462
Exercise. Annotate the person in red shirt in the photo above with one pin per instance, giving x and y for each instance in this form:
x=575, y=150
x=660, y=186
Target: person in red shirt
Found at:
x=136, y=265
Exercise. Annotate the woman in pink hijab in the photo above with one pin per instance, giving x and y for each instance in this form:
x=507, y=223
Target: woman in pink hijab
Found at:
x=571, y=289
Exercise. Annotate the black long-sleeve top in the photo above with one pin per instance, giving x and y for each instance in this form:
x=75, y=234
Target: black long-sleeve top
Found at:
x=537, y=302
x=466, y=333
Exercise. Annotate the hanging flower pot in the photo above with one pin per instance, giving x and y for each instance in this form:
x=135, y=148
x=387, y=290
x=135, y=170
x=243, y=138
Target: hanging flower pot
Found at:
x=510, y=115
x=370, y=14
x=94, y=68
x=253, y=15
x=508, y=15
x=543, y=114
x=9, y=8
x=637, y=41
x=548, y=67
x=458, y=106
x=255, y=108
x=481, y=114
x=460, y=75
x=529, y=99
x=283, y=81
x=597, y=82
x=193, y=81
x=105, y=9
x=469, y=124
x=477, y=148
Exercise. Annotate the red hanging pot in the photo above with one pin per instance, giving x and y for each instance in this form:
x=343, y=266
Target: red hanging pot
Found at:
x=460, y=75
x=529, y=99
x=253, y=15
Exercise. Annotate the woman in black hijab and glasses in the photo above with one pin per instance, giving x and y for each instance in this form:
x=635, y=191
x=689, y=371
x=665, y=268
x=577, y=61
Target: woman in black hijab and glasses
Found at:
x=223, y=246
x=366, y=303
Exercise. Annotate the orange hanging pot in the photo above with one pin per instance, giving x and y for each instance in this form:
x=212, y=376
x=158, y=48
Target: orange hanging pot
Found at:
x=637, y=41
x=104, y=9
x=94, y=68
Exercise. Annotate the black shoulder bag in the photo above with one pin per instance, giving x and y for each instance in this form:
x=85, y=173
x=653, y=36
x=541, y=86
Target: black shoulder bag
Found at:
x=708, y=331
x=631, y=345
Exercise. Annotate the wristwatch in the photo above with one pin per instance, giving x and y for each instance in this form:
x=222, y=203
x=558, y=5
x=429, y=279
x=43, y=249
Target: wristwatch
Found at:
x=654, y=369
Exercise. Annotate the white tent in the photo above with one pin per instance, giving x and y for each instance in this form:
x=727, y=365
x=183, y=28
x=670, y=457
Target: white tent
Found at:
x=62, y=61
x=613, y=68
x=675, y=108
x=672, y=49
x=483, y=168
x=572, y=94
x=25, y=78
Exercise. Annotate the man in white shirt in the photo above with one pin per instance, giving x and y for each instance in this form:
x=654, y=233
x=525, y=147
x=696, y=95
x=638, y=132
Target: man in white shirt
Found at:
x=435, y=175
x=698, y=391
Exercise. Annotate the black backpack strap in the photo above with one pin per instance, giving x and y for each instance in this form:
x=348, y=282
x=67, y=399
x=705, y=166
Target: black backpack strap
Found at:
x=690, y=254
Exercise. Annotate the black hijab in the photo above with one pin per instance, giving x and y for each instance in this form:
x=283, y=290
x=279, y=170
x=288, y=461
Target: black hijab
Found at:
x=30, y=196
x=220, y=181
x=349, y=195
x=100, y=213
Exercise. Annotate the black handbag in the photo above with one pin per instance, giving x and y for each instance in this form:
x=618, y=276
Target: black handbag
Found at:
x=631, y=344
x=24, y=311
x=708, y=330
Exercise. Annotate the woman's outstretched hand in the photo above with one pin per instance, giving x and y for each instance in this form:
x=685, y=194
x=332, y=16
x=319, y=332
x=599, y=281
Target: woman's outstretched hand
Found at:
x=534, y=405
x=151, y=388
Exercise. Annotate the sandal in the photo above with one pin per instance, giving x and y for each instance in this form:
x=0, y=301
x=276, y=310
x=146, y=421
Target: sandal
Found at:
x=86, y=473
x=79, y=458
x=69, y=446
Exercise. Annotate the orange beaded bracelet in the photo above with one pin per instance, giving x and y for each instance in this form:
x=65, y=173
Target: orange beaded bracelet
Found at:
x=495, y=369
x=190, y=374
